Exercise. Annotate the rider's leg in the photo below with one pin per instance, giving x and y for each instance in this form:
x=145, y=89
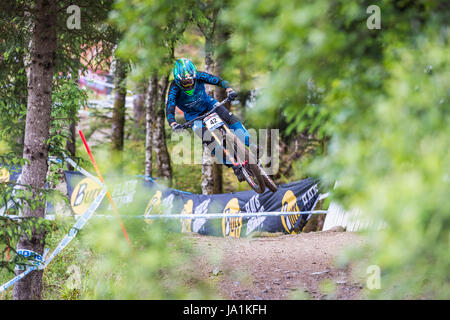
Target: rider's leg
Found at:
x=234, y=124
x=240, y=131
x=201, y=131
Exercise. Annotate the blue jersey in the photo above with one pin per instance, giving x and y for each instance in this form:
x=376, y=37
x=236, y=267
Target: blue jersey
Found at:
x=198, y=102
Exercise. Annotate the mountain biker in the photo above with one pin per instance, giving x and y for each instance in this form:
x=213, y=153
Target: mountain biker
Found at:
x=187, y=92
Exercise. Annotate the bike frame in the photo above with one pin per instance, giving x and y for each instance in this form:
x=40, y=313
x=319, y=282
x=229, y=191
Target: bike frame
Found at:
x=224, y=126
x=250, y=175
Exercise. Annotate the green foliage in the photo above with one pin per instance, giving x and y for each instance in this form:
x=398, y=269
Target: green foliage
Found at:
x=11, y=230
x=382, y=96
x=13, y=93
x=68, y=98
x=156, y=270
x=150, y=30
x=57, y=276
x=15, y=25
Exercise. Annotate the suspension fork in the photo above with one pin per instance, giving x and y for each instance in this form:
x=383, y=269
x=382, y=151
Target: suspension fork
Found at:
x=227, y=153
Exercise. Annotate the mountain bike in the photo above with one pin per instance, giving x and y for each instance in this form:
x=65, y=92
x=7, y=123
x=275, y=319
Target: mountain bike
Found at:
x=235, y=150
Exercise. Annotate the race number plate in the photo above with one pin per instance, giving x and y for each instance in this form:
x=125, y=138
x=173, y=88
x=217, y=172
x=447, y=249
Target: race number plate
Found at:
x=213, y=121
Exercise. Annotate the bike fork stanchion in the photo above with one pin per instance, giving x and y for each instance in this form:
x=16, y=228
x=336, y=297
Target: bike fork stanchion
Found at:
x=224, y=149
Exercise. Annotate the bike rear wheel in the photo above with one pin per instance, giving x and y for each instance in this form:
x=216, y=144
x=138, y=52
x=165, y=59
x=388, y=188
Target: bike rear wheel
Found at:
x=268, y=181
x=251, y=170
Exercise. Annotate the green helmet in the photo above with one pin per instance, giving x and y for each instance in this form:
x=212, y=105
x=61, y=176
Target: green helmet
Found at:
x=185, y=75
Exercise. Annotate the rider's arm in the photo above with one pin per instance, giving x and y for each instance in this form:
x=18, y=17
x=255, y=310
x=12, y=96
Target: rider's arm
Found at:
x=211, y=79
x=171, y=103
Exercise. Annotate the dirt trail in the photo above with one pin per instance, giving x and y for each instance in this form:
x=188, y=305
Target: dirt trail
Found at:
x=277, y=267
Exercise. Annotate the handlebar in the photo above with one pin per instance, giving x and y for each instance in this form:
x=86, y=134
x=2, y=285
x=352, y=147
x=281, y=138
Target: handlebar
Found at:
x=219, y=104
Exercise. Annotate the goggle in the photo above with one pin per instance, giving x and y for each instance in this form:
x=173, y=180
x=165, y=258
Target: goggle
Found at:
x=187, y=83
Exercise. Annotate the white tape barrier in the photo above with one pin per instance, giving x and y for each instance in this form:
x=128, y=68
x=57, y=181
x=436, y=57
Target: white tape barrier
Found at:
x=76, y=166
x=17, y=278
x=231, y=215
x=34, y=258
x=36, y=261
x=9, y=205
x=197, y=216
x=64, y=242
x=77, y=226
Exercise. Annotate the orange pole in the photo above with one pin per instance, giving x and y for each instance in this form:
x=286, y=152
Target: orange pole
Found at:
x=113, y=205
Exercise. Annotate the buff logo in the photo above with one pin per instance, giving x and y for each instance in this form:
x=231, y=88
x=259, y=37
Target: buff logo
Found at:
x=4, y=175
x=186, y=223
x=84, y=193
x=154, y=202
x=288, y=204
x=231, y=227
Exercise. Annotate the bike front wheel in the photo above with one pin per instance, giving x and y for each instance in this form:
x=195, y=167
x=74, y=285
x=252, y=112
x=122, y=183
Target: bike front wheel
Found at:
x=268, y=181
x=250, y=169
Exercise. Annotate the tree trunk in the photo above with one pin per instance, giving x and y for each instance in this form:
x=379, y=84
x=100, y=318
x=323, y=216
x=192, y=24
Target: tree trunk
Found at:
x=159, y=132
x=120, y=93
x=139, y=112
x=149, y=120
x=70, y=144
x=212, y=181
x=221, y=94
x=208, y=173
x=37, y=125
x=209, y=60
x=222, y=58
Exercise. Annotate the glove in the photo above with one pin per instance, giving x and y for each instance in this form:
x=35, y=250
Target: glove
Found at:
x=232, y=94
x=177, y=127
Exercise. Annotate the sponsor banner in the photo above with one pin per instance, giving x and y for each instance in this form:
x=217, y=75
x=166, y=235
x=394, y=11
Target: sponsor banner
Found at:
x=9, y=173
x=147, y=197
x=141, y=196
x=82, y=190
